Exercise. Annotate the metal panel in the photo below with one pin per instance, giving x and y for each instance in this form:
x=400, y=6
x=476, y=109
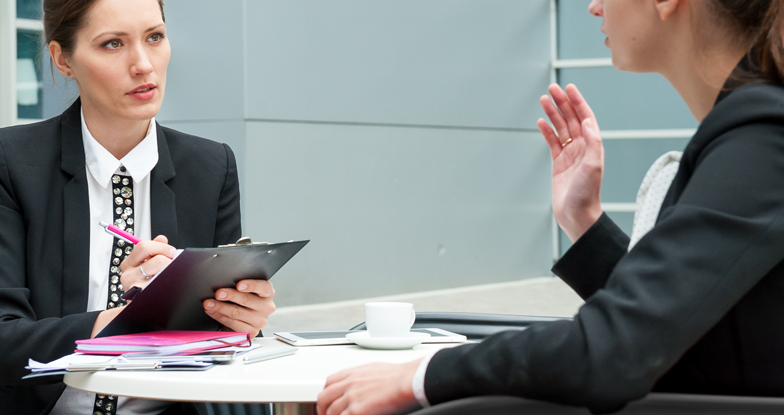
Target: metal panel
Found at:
x=205, y=74
x=393, y=210
x=439, y=62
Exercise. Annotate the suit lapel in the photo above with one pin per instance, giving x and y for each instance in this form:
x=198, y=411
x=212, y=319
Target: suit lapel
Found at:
x=162, y=200
x=76, y=214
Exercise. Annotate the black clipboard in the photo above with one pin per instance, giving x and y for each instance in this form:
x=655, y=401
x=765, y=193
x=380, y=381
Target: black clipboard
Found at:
x=173, y=300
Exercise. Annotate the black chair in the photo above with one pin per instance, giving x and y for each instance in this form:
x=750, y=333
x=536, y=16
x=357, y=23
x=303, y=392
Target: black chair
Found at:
x=475, y=326
x=653, y=404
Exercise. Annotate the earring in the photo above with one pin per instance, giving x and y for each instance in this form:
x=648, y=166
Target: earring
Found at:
x=68, y=73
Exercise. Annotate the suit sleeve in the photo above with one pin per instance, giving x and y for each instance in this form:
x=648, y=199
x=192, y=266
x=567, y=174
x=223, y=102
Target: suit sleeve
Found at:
x=228, y=224
x=706, y=252
x=22, y=334
x=587, y=265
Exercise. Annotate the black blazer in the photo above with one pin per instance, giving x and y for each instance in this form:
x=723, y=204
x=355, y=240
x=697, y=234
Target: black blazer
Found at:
x=45, y=231
x=696, y=306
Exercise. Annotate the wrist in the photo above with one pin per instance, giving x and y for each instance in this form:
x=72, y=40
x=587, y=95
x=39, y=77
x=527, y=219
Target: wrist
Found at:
x=104, y=318
x=575, y=227
x=406, y=390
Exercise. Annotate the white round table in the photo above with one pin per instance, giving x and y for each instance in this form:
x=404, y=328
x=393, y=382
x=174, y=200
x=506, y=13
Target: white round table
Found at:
x=291, y=382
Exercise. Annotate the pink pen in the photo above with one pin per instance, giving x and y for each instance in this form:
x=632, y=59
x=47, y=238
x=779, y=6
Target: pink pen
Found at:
x=119, y=233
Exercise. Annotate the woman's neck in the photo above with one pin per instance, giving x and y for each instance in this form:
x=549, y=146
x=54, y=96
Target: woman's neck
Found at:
x=700, y=84
x=118, y=136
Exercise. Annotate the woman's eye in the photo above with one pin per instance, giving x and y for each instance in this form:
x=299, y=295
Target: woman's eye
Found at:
x=155, y=37
x=112, y=44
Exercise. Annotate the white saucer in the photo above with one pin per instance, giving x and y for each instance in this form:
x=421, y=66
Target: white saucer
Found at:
x=408, y=341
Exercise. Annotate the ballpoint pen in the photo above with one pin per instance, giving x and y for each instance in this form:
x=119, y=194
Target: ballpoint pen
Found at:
x=127, y=237
x=267, y=355
x=119, y=233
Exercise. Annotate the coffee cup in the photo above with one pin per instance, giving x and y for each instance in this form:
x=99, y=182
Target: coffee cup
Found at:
x=389, y=319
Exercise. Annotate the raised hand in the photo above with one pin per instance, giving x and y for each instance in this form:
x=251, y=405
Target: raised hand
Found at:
x=578, y=159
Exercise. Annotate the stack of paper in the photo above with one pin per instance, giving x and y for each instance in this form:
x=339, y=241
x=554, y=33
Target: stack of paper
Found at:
x=162, y=342
x=163, y=350
x=78, y=362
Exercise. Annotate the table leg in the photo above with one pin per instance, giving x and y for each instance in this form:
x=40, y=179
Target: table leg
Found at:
x=294, y=408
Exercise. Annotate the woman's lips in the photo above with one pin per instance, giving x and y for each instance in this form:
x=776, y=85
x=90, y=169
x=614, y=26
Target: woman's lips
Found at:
x=143, y=94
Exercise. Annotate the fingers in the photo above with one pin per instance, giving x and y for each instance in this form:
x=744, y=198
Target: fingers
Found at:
x=549, y=136
x=566, y=108
x=337, y=377
x=234, y=325
x=579, y=104
x=338, y=406
x=235, y=317
x=246, y=310
x=327, y=397
x=260, y=287
x=592, y=135
x=555, y=116
x=134, y=277
x=145, y=250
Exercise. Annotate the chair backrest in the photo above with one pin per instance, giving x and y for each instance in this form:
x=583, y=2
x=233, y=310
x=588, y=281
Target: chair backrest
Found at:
x=475, y=326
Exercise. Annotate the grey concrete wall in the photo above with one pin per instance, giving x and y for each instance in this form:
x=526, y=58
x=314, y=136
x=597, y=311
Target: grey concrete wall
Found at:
x=398, y=136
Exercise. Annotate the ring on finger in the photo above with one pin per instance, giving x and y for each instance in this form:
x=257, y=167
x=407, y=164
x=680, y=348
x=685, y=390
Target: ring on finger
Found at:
x=146, y=276
x=568, y=140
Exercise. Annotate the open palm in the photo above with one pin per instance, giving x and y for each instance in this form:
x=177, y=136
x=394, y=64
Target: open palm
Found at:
x=578, y=159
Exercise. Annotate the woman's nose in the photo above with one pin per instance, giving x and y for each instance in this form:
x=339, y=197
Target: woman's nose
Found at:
x=140, y=64
x=596, y=8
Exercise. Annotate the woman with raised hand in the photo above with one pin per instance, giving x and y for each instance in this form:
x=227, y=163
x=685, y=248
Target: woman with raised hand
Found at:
x=692, y=303
x=104, y=159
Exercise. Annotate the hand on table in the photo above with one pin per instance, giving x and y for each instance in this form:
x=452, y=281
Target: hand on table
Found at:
x=377, y=388
x=578, y=159
x=150, y=256
x=244, y=309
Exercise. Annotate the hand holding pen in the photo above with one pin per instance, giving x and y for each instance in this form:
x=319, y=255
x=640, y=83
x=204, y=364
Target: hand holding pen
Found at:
x=146, y=260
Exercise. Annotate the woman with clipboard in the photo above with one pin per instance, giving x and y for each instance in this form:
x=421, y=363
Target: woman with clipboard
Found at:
x=105, y=159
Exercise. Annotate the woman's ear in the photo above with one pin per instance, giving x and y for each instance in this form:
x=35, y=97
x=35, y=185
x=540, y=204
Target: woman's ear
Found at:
x=58, y=59
x=666, y=8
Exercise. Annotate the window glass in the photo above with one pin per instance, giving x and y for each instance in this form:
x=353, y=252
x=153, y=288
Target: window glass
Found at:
x=29, y=9
x=627, y=161
x=630, y=101
x=29, y=77
x=579, y=33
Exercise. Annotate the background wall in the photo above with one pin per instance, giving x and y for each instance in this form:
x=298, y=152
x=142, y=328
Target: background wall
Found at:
x=398, y=136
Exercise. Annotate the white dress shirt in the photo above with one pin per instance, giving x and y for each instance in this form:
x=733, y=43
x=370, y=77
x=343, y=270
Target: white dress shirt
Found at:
x=418, y=383
x=101, y=166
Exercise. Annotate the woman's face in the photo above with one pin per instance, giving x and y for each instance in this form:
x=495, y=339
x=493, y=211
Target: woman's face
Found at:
x=632, y=28
x=120, y=57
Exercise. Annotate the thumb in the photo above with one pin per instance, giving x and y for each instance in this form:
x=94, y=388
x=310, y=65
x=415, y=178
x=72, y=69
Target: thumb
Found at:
x=162, y=239
x=591, y=132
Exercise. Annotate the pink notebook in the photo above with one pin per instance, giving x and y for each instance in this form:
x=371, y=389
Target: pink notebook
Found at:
x=162, y=342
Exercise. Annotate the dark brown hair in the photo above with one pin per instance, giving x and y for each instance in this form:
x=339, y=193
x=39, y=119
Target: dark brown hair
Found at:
x=64, y=18
x=760, y=25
